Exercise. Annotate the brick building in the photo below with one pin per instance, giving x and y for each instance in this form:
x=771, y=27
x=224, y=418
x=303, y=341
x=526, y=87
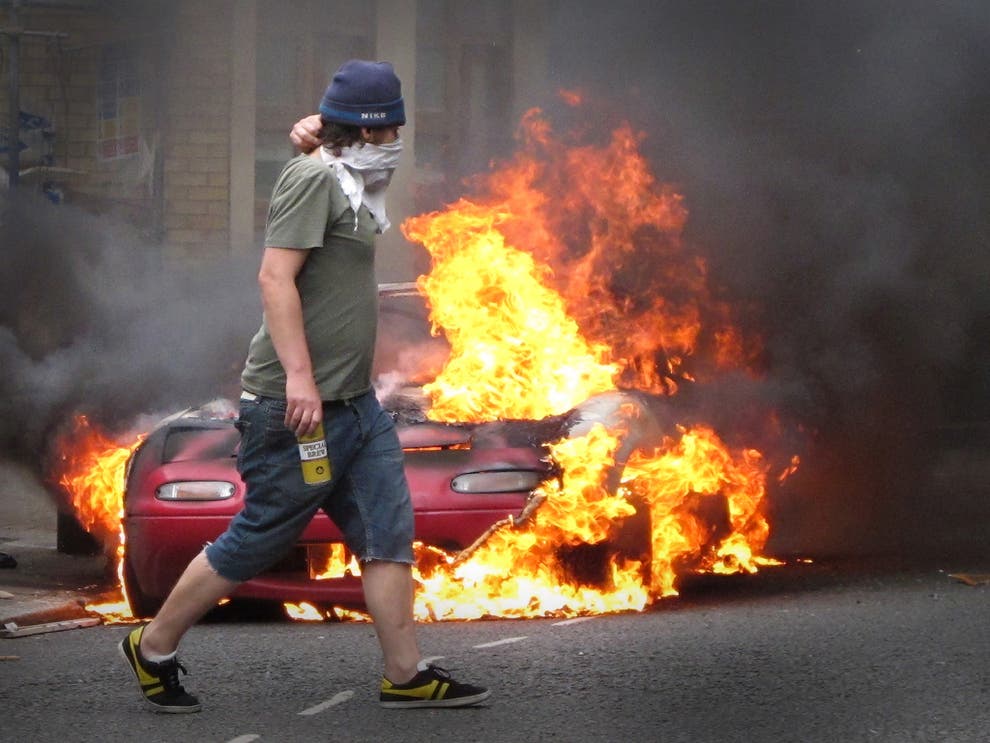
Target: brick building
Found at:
x=173, y=114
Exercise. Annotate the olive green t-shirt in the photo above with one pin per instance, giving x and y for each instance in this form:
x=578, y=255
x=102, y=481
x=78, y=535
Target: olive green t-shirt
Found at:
x=337, y=284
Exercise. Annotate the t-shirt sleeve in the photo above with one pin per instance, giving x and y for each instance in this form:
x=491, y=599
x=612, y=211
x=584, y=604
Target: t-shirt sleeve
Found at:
x=303, y=204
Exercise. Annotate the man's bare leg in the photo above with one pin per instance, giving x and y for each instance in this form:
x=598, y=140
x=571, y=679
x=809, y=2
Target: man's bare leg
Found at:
x=388, y=594
x=198, y=590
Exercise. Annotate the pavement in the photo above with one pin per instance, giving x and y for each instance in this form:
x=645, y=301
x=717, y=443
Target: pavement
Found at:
x=45, y=585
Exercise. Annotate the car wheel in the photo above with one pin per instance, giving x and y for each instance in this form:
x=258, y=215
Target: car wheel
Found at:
x=72, y=538
x=142, y=605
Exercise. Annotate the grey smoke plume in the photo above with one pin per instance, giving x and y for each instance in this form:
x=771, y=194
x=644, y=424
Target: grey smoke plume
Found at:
x=92, y=321
x=834, y=160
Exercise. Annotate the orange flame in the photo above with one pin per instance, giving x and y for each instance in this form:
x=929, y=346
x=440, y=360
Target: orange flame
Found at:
x=699, y=464
x=602, y=239
x=570, y=277
x=506, y=329
x=303, y=612
x=332, y=561
x=536, y=570
x=523, y=571
x=91, y=469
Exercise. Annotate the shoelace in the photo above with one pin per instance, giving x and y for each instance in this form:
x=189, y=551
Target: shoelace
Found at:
x=442, y=673
x=169, y=674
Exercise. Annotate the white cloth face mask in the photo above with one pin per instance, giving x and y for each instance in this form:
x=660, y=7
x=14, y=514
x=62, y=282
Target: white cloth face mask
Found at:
x=364, y=172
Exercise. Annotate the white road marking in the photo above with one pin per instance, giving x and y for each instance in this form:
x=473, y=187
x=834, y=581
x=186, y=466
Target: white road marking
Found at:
x=332, y=702
x=575, y=620
x=244, y=738
x=506, y=641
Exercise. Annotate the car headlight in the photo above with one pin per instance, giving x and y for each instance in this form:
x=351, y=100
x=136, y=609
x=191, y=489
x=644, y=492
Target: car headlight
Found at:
x=196, y=490
x=497, y=481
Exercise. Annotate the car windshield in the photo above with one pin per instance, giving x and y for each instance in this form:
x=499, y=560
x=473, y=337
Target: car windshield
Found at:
x=198, y=443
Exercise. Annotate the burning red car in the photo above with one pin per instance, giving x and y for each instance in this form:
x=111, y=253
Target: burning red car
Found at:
x=472, y=486
x=541, y=296
x=183, y=488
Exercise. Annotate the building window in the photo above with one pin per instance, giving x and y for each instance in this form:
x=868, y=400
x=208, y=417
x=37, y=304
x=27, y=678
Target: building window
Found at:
x=118, y=103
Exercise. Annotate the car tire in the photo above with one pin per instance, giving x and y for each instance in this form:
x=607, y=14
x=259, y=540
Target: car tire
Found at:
x=71, y=537
x=142, y=605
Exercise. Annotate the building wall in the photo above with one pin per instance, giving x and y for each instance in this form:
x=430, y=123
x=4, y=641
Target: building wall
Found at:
x=59, y=79
x=196, y=130
x=221, y=81
x=175, y=186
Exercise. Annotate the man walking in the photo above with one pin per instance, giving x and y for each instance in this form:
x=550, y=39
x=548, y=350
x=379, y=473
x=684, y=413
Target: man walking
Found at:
x=309, y=366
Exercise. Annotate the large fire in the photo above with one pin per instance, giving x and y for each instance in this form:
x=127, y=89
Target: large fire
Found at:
x=567, y=278
x=91, y=468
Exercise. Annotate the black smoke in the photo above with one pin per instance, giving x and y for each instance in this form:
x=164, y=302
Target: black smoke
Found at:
x=94, y=320
x=833, y=157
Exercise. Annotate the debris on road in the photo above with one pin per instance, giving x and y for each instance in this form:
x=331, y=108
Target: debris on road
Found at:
x=11, y=629
x=7, y=561
x=63, y=612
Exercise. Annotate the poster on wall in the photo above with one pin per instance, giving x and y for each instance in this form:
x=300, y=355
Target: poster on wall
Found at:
x=118, y=104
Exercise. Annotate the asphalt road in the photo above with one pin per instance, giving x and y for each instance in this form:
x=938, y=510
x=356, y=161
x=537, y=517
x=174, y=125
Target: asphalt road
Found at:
x=838, y=650
x=822, y=652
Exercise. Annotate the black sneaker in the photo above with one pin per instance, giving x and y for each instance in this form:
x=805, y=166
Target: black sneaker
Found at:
x=432, y=687
x=159, y=681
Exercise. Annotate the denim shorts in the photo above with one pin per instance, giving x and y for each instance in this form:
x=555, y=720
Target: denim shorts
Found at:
x=367, y=496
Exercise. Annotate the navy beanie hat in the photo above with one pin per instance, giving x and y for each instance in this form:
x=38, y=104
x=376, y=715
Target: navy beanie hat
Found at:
x=364, y=93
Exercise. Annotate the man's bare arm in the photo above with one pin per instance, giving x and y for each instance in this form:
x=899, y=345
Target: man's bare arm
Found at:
x=284, y=317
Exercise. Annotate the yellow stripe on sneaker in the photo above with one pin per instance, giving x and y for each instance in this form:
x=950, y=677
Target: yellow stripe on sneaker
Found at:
x=427, y=691
x=416, y=693
x=144, y=678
